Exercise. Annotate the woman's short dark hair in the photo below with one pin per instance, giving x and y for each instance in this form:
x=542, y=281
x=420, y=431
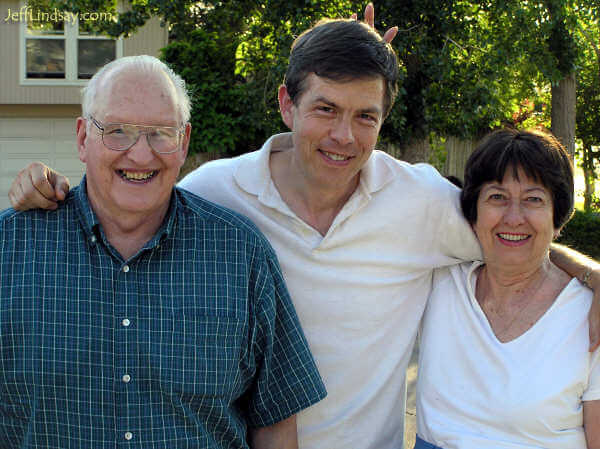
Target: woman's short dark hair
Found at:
x=342, y=50
x=541, y=157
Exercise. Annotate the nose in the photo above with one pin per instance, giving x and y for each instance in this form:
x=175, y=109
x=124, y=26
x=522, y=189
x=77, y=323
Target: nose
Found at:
x=140, y=152
x=341, y=131
x=514, y=215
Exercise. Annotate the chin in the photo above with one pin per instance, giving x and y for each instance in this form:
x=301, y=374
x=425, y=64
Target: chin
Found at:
x=137, y=205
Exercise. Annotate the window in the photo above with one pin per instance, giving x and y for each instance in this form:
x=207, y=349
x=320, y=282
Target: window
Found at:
x=62, y=48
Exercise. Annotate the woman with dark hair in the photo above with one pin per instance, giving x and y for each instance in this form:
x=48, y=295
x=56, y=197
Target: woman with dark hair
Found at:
x=504, y=359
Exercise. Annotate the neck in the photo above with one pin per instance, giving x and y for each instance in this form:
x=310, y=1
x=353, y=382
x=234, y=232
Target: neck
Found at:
x=504, y=284
x=129, y=232
x=314, y=204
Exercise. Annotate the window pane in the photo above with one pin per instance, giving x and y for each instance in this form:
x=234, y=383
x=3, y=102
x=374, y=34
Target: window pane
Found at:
x=93, y=54
x=45, y=58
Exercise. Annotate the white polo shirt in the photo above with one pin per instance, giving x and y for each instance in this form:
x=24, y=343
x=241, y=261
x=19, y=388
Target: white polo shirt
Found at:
x=361, y=289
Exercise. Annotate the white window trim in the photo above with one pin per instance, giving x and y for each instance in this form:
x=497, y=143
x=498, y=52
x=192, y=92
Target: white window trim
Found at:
x=70, y=37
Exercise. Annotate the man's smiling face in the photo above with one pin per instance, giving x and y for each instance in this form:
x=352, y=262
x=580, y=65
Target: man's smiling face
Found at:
x=335, y=127
x=136, y=181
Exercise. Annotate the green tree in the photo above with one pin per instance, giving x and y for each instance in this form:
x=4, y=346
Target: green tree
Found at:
x=469, y=66
x=588, y=99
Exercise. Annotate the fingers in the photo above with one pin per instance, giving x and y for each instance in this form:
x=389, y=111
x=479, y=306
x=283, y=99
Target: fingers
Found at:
x=370, y=20
x=370, y=15
x=390, y=34
x=594, y=318
x=594, y=339
x=31, y=189
x=354, y=16
x=60, y=183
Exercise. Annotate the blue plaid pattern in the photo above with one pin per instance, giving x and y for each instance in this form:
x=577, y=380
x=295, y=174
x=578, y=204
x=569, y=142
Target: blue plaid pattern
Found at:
x=184, y=345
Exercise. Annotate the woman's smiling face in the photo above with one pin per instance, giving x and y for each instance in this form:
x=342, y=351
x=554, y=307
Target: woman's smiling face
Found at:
x=515, y=221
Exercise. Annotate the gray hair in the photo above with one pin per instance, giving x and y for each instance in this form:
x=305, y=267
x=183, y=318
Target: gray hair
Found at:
x=144, y=64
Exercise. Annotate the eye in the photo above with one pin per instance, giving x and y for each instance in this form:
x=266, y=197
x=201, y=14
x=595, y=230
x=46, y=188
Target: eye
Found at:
x=163, y=133
x=368, y=117
x=534, y=199
x=326, y=109
x=114, y=131
x=496, y=197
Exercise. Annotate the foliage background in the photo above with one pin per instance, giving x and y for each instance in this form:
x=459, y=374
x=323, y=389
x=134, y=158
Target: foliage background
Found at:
x=467, y=67
x=582, y=233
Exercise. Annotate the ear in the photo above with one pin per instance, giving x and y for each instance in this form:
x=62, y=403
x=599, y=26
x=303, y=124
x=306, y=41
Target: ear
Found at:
x=185, y=143
x=81, y=130
x=286, y=106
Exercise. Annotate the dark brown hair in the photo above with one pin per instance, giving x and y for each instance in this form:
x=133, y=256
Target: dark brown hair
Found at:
x=342, y=50
x=541, y=157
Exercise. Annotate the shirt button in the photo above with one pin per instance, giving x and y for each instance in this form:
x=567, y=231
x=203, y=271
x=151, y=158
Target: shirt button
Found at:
x=126, y=378
x=126, y=269
x=125, y=322
x=128, y=436
x=93, y=239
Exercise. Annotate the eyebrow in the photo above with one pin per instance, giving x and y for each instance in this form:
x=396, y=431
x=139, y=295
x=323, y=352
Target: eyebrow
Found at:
x=499, y=187
x=147, y=125
x=372, y=110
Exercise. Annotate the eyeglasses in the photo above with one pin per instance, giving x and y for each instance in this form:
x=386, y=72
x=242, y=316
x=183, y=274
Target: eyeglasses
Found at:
x=122, y=136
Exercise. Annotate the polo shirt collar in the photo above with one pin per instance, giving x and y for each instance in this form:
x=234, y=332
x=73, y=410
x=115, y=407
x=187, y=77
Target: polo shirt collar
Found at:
x=254, y=175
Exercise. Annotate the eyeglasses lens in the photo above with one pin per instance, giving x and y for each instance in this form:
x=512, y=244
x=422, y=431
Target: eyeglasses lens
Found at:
x=120, y=137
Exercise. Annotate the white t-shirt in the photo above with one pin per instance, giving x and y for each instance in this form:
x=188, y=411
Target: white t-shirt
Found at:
x=360, y=290
x=474, y=392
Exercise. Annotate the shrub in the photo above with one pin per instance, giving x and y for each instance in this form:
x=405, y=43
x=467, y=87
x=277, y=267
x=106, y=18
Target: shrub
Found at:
x=582, y=233
x=230, y=114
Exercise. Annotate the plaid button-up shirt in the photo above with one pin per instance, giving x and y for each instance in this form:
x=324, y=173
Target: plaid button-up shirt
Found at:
x=184, y=345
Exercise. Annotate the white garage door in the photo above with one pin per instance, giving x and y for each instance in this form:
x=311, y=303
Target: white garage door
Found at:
x=51, y=141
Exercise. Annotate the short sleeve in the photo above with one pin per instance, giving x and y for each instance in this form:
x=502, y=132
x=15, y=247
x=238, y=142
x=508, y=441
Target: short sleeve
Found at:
x=592, y=393
x=287, y=380
x=457, y=239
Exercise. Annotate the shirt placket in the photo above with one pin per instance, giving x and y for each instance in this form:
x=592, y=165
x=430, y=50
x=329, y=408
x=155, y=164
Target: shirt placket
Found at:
x=127, y=404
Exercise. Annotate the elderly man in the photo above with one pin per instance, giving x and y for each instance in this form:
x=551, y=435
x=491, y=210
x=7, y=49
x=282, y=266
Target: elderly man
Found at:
x=137, y=314
x=358, y=233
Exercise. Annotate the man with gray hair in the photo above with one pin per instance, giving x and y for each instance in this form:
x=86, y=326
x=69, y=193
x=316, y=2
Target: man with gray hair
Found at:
x=139, y=315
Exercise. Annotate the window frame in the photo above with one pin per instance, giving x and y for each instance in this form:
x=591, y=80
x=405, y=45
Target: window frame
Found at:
x=70, y=37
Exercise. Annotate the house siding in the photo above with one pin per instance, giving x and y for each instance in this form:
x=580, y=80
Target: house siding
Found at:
x=38, y=122
x=147, y=40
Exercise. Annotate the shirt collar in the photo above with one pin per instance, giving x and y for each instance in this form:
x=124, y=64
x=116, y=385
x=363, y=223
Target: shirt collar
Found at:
x=88, y=218
x=253, y=174
x=91, y=224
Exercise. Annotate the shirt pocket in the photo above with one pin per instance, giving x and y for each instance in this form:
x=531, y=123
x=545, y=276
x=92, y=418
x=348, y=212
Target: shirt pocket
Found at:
x=201, y=356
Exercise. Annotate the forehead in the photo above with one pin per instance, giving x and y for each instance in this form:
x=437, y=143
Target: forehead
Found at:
x=516, y=177
x=128, y=96
x=360, y=93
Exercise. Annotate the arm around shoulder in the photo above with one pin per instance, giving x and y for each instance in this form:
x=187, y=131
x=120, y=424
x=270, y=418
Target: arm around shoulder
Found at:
x=591, y=423
x=587, y=271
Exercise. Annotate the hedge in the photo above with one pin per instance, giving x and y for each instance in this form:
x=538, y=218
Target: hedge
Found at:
x=582, y=233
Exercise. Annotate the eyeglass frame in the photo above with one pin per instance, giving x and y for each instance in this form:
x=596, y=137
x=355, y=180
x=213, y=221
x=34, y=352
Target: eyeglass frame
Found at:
x=101, y=126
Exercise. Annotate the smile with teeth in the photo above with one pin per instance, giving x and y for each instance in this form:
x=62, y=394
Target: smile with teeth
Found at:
x=335, y=157
x=514, y=237
x=136, y=175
